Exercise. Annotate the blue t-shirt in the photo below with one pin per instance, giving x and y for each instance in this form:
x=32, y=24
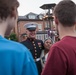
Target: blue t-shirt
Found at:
x=15, y=59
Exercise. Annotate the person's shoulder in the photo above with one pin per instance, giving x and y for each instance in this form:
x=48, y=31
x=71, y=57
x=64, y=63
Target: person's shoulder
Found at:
x=24, y=41
x=60, y=45
x=38, y=40
x=63, y=42
x=57, y=45
x=15, y=45
x=18, y=47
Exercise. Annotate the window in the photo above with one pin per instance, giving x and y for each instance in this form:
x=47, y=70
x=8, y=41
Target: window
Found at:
x=32, y=16
x=40, y=16
x=46, y=25
x=39, y=27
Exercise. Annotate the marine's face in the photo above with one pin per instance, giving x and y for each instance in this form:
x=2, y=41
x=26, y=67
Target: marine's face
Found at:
x=31, y=34
x=47, y=44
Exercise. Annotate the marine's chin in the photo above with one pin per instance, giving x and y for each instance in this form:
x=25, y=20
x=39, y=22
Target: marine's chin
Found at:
x=32, y=37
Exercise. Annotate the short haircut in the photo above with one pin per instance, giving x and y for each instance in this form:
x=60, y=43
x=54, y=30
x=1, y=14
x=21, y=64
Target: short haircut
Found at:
x=6, y=7
x=65, y=11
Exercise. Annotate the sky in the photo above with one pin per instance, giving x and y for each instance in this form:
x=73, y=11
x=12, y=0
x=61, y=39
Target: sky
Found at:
x=27, y=6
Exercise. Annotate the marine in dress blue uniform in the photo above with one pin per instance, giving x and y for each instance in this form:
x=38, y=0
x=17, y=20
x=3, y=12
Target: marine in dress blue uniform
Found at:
x=35, y=46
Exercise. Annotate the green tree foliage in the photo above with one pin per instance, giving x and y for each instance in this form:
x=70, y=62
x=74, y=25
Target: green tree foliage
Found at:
x=12, y=36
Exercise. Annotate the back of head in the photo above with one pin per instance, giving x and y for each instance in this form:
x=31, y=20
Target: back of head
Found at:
x=65, y=11
x=6, y=8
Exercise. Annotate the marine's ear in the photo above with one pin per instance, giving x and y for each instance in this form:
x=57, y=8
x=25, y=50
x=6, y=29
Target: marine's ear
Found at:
x=26, y=31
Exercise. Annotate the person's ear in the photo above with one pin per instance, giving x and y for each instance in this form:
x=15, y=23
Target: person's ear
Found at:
x=14, y=12
x=36, y=30
x=26, y=31
x=56, y=20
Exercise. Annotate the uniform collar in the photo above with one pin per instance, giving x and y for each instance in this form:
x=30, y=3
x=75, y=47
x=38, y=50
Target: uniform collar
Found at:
x=31, y=39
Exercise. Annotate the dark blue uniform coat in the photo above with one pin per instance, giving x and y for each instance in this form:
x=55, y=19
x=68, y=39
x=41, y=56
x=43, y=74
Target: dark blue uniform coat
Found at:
x=35, y=46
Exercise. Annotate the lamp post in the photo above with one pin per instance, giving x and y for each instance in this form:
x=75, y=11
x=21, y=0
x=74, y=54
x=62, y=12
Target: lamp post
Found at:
x=49, y=18
x=48, y=15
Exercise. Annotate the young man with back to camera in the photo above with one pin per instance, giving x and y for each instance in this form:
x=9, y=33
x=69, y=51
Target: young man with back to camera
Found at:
x=15, y=59
x=62, y=56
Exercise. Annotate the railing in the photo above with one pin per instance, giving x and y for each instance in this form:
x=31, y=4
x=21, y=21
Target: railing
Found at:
x=41, y=36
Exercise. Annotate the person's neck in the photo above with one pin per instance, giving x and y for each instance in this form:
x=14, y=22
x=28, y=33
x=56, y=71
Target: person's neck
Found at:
x=31, y=39
x=46, y=51
x=3, y=28
x=67, y=31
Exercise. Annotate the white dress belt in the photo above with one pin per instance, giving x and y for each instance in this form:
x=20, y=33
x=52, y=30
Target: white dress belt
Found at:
x=37, y=59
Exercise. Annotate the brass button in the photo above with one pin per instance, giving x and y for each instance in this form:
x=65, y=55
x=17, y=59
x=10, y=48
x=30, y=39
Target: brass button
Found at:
x=35, y=50
x=33, y=42
x=35, y=47
x=39, y=46
x=35, y=53
x=35, y=57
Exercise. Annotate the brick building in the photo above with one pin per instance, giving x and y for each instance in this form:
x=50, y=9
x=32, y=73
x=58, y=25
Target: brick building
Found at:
x=43, y=25
x=30, y=17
